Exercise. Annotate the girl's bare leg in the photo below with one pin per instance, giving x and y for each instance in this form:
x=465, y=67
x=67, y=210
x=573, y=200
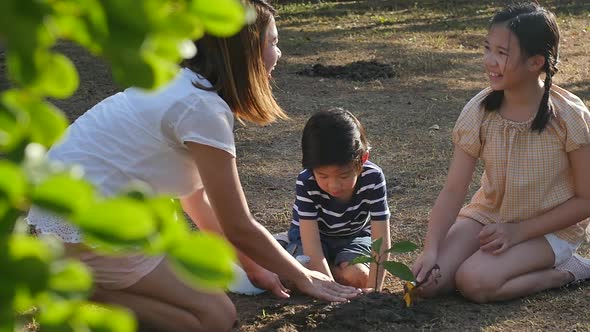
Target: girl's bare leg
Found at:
x=460, y=243
x=524, y=269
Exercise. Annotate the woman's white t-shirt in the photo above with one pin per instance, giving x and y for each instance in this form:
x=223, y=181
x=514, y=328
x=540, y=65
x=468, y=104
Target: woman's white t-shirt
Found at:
x=140, y=135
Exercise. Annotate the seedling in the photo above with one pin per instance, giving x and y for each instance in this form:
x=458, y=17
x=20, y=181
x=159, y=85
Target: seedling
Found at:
x=397, y=269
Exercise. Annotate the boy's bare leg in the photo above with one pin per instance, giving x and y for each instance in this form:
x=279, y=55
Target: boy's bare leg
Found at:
x=355, y=275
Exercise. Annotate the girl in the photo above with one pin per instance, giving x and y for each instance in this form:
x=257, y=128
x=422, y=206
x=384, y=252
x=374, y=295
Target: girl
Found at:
x=519, y=233
x=341, y=201
x=179, y=140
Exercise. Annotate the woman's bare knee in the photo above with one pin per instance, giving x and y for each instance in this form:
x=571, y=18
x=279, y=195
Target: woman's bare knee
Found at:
x=214, y=311
x=164, y=300
x=220, y=316
x=152, y=315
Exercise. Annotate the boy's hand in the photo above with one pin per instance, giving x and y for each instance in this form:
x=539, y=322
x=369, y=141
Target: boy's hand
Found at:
x=265, y=279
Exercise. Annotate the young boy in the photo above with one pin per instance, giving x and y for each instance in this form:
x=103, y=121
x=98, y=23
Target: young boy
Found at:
x=341, y=203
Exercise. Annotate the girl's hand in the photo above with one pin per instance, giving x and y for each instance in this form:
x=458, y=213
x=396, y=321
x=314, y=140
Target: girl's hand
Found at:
x=325, y=288
x=263, y=278
x=426, y=263
x=497, y=238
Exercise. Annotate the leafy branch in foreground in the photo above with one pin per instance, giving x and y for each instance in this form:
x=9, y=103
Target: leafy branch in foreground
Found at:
x=143, y=49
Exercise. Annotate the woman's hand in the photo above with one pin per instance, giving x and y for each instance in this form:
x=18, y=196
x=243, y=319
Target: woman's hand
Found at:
x=497, y=238
x=425, y=268
x=265, y=279
x=325, y=288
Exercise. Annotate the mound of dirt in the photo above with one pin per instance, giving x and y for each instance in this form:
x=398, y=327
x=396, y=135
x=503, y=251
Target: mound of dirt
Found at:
x=374, y=312
x=355, y=71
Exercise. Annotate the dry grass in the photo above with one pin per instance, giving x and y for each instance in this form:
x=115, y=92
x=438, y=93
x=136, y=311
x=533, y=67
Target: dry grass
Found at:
x=435, y=51
x=434, y=48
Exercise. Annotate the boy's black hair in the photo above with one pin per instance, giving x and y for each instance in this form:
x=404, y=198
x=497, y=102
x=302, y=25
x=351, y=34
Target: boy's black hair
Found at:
x=333, y=137
x=538, y=34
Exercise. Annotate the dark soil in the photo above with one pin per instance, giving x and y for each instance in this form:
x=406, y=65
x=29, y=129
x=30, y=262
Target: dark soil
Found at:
x=355, y=71
x=421, y=61
x=372, y=312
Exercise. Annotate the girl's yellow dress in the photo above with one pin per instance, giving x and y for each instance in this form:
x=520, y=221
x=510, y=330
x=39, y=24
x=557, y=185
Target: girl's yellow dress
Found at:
x=526, y=173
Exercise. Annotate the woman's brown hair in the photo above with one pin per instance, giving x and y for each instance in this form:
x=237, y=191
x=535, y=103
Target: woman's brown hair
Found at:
x=235, y=68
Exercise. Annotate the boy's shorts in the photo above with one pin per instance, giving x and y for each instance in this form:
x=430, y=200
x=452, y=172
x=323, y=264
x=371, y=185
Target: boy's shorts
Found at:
x=337, y=250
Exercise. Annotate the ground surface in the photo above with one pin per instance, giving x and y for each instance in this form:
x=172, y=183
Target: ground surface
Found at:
x=402, y=67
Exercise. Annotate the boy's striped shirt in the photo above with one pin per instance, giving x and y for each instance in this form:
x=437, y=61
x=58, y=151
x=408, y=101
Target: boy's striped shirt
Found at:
x=368, y=202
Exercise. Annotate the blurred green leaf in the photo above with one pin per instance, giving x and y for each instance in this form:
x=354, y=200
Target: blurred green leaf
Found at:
x=65, y=326
x=13, y=125
x=63, y=194
x=13, y=183
x=6, y=225
x=47, y=123
x=134, y=71
x=138, y=190
x=163, y=69
x=144, y=41
x=361, y=260
x=402, y=247
x=55, y=316
x=17, y=153
x=376, y=245
x=117, y=13
x=195, y=262
x=164, y=47
x=73, y=27
x=43, y=121
x=24, y=246
x=55, y=313
x=28, y=263
x=82, y=21
x=7, y=286
x=57, y=77
x=7, y=319
x=399, y=270
x=180, y=25
x=106, y=319
x=224, y=19
x=21, y=25
x=119, y=221
x=70, y=279
x=24, y=298
x=172, y=228
x=20, y=65
x=8, y=217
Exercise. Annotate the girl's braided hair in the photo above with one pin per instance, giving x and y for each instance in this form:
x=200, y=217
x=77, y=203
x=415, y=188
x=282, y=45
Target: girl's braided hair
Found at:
x=538, y=34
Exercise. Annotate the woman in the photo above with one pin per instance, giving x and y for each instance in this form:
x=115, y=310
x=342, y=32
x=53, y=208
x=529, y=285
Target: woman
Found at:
x=179, y=140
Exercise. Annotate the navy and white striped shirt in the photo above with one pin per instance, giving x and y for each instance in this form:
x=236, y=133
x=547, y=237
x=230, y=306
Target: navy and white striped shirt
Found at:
x=368, y=202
